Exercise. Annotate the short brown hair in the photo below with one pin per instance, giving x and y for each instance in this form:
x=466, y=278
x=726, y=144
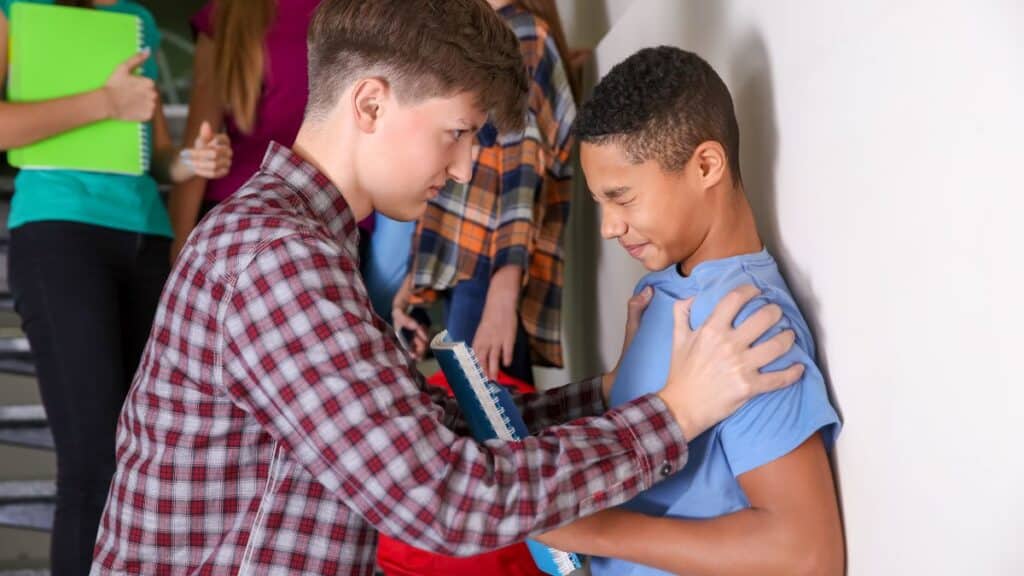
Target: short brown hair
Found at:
x=423, y=48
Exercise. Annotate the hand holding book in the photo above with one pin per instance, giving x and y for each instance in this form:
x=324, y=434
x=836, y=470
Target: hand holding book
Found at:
x=128, y=96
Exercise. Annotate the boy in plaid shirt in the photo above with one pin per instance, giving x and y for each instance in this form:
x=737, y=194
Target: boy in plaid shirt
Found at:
x=275, y=424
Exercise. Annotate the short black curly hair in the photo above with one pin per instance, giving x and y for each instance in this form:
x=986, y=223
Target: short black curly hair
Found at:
x=661, y=103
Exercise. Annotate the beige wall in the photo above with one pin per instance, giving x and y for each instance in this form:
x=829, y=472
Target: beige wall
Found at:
x=881, y=142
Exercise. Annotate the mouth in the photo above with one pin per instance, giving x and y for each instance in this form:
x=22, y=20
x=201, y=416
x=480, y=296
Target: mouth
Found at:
x=433, y=191
x=635, y=250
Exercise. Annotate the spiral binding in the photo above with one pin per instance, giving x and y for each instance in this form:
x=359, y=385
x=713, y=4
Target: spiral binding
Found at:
x=145, y=150
x=565, y=562
x=483, y=387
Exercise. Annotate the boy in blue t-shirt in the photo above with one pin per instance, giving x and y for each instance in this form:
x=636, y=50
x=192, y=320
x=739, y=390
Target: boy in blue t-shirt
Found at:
x=660, y=150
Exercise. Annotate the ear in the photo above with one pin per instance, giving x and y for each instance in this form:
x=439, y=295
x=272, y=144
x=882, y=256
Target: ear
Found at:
x=712, y=163
x=369, y=96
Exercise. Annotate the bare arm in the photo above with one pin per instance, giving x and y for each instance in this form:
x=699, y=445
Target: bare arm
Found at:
x=186, y=199
x=791, y=529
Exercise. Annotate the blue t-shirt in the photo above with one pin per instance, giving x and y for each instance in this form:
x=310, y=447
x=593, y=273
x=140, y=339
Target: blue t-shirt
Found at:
x=118, y=201
x=765, y=429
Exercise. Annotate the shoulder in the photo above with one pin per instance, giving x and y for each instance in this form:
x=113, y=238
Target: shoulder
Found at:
x=143, y=13
x=534, y=34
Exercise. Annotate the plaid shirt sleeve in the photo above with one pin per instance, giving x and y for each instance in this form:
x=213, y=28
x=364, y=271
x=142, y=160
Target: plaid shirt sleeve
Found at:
x=302, y=353
x=563, y=404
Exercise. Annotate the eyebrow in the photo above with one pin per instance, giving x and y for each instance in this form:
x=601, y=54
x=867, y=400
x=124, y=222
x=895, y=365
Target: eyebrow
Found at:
x=615, y=193
x=467, y=125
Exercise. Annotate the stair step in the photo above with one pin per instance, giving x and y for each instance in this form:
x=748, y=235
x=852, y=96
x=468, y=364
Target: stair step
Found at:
x=25, y=426
x=28, y=504
x=27, y=491
x=18, y=365
x=15, y=346
x=15, y=354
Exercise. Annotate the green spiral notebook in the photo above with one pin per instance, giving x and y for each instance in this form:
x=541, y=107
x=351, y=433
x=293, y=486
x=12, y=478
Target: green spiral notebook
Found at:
x=59, y=51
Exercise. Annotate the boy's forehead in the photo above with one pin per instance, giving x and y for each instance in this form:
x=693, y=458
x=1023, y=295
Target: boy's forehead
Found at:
x=464, y=107
x=604, y=161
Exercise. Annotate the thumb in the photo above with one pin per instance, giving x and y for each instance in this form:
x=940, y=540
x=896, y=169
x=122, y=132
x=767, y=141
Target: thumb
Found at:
x=681, y=311
x=638, y=303
x=205, y=135
x=134, y=62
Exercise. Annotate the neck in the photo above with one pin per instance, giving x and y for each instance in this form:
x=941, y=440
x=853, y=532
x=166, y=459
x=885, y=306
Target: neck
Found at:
x=330, y=153
x=733, y=231
x=499, y=4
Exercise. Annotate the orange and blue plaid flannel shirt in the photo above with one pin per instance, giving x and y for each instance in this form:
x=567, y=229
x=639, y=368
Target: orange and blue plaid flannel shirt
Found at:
x=514, y=209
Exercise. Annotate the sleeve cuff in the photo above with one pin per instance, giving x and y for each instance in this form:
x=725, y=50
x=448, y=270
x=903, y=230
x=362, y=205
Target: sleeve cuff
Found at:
x=511, y=256
x=655, y=437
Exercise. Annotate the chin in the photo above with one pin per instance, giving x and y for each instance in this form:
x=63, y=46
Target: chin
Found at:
x=656, y=262
x=406, y=213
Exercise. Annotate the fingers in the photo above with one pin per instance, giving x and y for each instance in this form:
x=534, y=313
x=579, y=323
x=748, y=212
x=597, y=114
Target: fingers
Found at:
x=134, y=62
x=771, y=350
x=771, y=381
x=211, y=162
x=761, y=321
x=637, y=304
x=729, y=306
x=420, y=344
x=507, y=348
x=494, y=362
x=681, y=312
x=205, y=135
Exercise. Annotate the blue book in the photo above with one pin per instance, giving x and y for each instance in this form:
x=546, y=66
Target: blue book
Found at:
x=491, y=414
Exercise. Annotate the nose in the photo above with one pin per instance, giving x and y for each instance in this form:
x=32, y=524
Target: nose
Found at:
x=612, y=226
x=460, y=168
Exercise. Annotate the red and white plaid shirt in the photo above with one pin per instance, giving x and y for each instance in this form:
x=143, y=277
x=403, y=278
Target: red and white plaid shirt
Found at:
x=274, y=424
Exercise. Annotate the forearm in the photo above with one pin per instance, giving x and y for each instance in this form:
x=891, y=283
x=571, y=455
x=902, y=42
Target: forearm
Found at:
x=184, y=204
x=25, y=123
x=561, y=405
x=750, y=542
x=505, y=285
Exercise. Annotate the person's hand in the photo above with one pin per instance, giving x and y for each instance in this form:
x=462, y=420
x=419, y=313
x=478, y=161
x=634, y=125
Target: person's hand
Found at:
x=715, y=370
x=130, y=97
x=634, y=312
x=210, y=155
x=400, y=319
x=495, y=337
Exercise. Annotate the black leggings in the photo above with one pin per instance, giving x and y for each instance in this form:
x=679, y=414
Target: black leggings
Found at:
x=86, y=296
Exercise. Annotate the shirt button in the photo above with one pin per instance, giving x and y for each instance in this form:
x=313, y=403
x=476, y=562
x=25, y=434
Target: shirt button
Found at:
x=666, y=469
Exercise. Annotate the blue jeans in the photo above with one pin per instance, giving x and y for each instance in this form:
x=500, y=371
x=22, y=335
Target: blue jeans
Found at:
x=464, y=306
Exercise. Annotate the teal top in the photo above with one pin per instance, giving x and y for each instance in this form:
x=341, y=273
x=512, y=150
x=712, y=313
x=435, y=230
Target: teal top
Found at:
x=118, y=201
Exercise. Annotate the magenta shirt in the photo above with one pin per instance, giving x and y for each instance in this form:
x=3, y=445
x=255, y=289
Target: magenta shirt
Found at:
x=283, y=101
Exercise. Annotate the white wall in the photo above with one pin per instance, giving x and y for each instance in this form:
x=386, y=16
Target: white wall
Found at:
x=882, y=144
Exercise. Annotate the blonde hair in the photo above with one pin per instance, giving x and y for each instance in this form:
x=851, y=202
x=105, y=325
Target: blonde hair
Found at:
x=241, y=26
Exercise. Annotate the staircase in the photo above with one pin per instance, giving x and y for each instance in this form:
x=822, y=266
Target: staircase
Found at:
x=27, y=466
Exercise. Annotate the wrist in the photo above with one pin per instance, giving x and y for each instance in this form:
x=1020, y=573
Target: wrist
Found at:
x=607, y=380
x=683, y=420
x=181, y=168
x=105, y=103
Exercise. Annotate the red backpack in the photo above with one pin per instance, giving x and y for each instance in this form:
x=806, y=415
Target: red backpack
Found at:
x=399, y=559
